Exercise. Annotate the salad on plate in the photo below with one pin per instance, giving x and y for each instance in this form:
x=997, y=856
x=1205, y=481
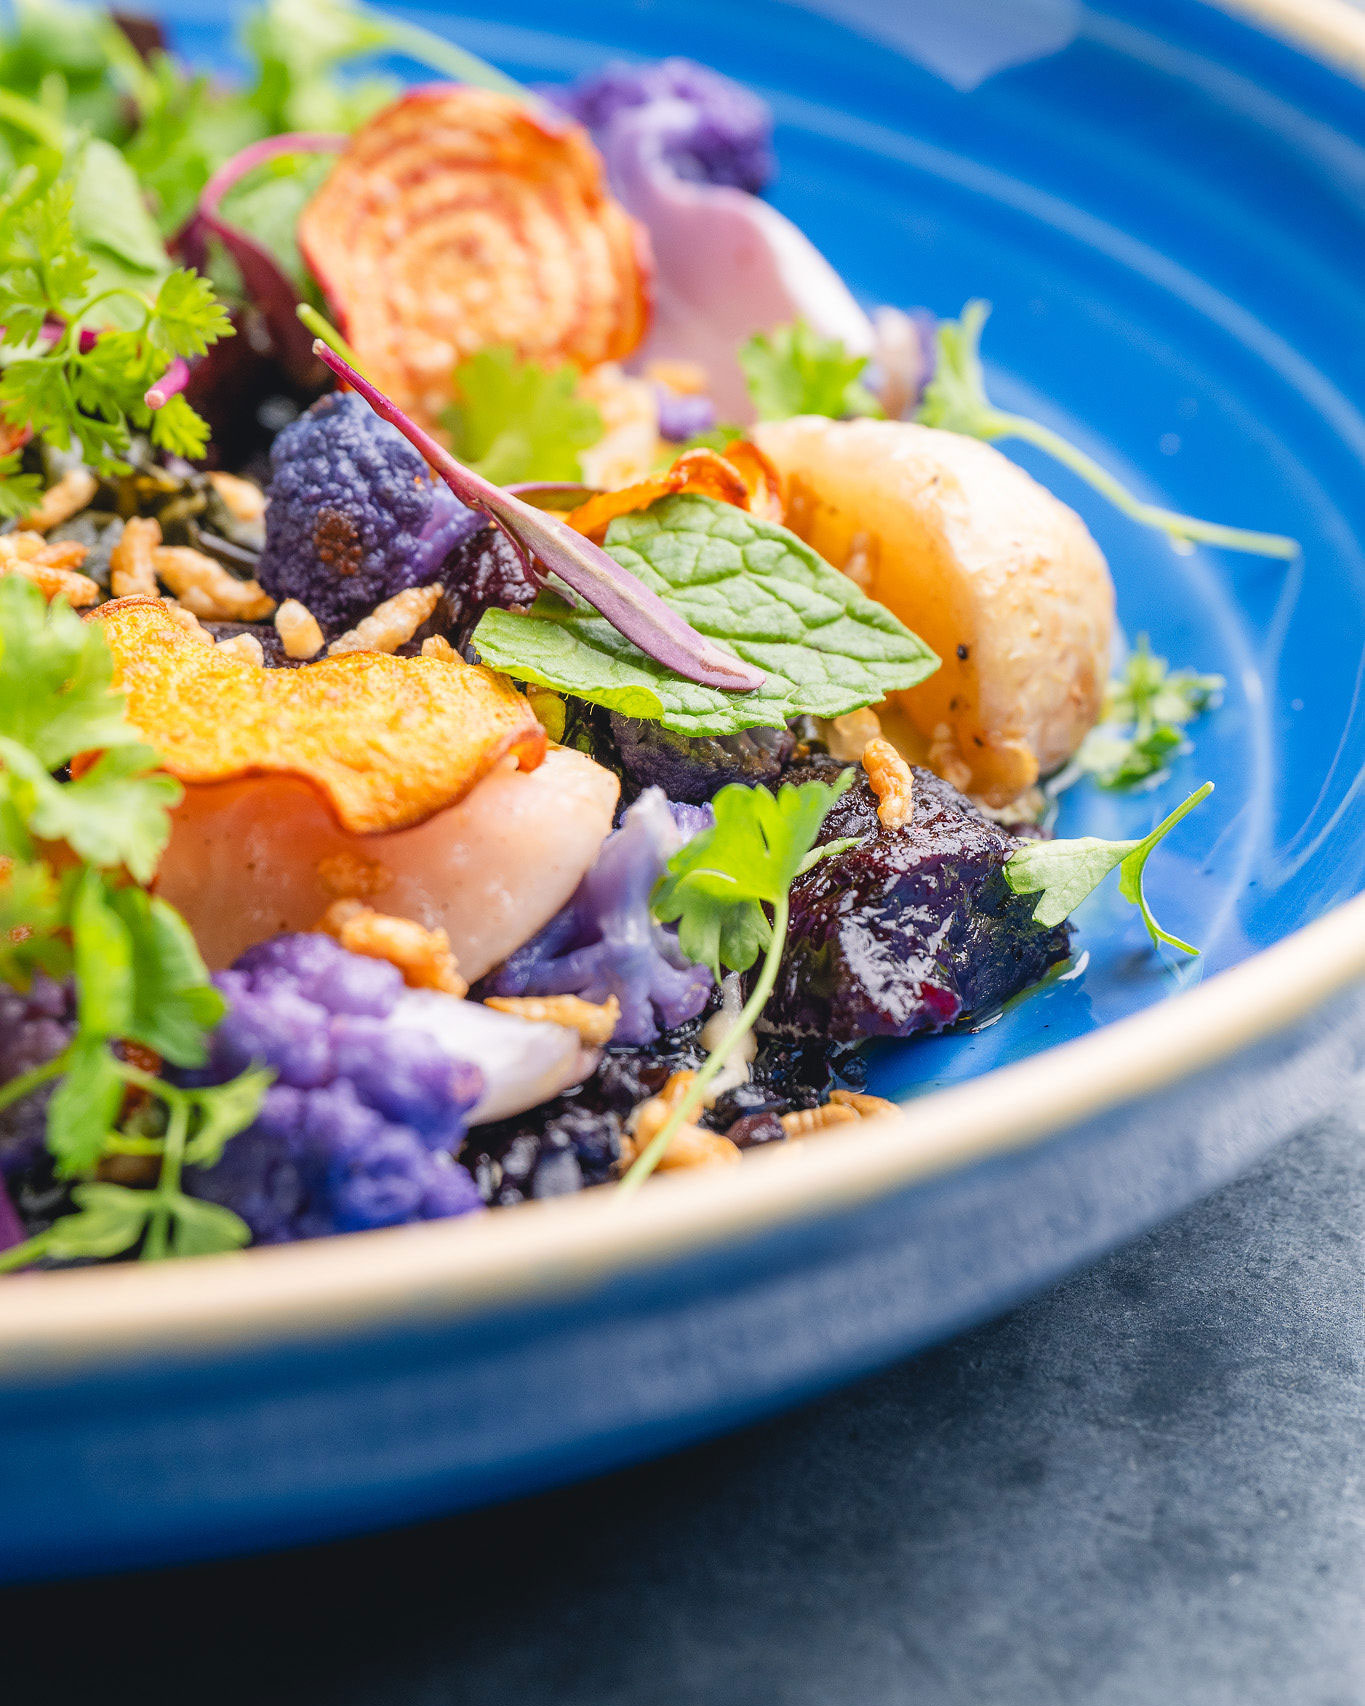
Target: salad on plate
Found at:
x=511, y=676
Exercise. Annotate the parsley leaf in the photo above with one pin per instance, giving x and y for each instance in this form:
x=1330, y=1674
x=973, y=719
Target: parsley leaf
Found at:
x=955, y=399
x=1063, y=873
x=517, y=420
x=73, y=259
x=1146, y=709
x=717, y=883
x=794, y=371
x=715, y=888
x=139, y=977
x=825, y=647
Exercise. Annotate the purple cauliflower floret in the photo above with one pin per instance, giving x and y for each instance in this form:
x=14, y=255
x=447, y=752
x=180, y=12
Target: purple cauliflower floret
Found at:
x=727, y=138
x=910, y=929
x=35, y=1026
x=354, y=514
x=365, y=1114
x=683, y=415
x=606, y=941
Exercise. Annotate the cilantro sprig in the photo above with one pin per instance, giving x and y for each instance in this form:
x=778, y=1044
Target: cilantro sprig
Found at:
x=1141, y=729
x=728, y=892
x=79, y=358
x=73, y=851
x=519, y=420
x=1063, y=873
x=792, y=370
x=955, y=398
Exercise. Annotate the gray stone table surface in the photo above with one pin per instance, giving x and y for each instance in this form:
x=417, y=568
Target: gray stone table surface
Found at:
x=1144, y=1489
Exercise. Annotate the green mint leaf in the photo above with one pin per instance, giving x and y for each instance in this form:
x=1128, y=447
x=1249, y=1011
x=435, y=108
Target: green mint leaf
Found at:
x=955, y=399
x=1063, y=873
x=110, y=1220
x=516, y=420
x=226, y=1109
x=84, y=1106
x=825, y=647
x=794, y=371
x=716, y=884
x=204, y=1228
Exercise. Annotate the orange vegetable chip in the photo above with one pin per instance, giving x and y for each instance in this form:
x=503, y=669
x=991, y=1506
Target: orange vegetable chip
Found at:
x=458, y=218
x=695, y=471
x=388, y=741
x=760, y=477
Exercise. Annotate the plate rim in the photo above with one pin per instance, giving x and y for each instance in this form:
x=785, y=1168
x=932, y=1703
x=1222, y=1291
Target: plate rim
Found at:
x=82, y=1320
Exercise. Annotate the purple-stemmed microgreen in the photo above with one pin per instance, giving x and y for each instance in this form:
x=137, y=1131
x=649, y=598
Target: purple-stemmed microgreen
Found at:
x=619, y=596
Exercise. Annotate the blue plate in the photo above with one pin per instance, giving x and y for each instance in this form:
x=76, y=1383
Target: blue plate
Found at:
x=1167, y=208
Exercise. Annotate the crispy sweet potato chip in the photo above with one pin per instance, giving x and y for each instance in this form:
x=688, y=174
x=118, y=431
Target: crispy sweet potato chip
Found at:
x=695, y=471
x=761, y=478
x=458, y=218
x=387, y=741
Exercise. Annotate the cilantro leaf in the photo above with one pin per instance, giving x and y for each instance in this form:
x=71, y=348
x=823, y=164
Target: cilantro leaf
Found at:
x=1146, y=709
x=794, y=371
x=226, y=1109
x=717, y=883
x=55, y=674
x=1063, y=873
x=205, y=1228
x=111, y=1219
x=715, y=888
x=825, y=647
x=114, y=813
x=173, y=1002
x=30, y=918
x=84, y=1106
x=517, y=420
x=955, y=399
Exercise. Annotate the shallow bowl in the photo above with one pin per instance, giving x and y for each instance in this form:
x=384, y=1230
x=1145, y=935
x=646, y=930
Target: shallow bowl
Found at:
x=1166, y=203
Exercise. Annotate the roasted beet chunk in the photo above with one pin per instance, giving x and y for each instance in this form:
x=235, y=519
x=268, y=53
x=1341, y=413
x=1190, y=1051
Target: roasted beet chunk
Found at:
x=484, y=572
x=693, y=768
x=911, y=929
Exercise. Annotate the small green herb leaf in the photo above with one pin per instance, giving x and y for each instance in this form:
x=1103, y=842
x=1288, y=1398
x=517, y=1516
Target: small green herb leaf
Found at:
x=84, y=1105
x=794, y=371
x=715, y=888
x=1063, y=873
x=516, y=420
x=1145, y=712
x=226, y=1109
x=716, y=884
x=205, y=1228
x=111, y=1219
x=173, y=1001
x=824, y=646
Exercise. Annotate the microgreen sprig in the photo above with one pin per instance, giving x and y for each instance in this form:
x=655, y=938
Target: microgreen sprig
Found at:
x=1063, y=873
x=1146, y=710
x=955, y=398
x=716, y=889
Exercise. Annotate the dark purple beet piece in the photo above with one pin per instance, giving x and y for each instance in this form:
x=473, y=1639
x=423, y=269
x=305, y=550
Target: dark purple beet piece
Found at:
x=695, y=768
x=911, y=929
